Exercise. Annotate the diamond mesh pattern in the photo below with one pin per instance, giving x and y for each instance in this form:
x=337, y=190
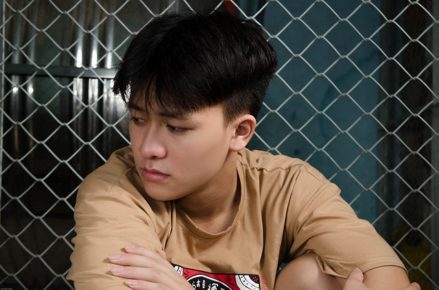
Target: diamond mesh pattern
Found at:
x=355, y=94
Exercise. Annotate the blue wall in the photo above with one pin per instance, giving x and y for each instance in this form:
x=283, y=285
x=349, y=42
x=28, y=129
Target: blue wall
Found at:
x=320, y=105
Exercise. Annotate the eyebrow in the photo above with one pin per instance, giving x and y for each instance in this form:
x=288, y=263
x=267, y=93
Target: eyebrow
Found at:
x=134, y=106
x=166, y=114
x=174, y=115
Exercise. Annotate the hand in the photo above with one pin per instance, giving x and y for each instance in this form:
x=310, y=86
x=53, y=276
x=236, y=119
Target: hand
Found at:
x=355, y=282
x=144, y=269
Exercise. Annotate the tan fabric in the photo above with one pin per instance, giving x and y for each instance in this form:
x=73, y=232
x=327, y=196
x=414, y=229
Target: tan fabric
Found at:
x=287, y=208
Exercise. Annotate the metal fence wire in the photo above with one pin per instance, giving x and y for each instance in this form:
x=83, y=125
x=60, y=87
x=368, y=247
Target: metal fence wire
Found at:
x=355, y=94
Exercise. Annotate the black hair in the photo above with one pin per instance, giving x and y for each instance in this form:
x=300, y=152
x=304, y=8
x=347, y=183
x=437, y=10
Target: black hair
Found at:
x=185, y=63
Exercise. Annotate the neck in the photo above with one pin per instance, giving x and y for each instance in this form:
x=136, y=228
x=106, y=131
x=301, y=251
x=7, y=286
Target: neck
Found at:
x=214, y=207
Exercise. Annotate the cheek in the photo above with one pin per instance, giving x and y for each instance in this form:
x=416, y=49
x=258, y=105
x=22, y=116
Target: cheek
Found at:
x=209, y=143
x=202, y=154
x=135, y=139
x=137, y=136
x=134, y=135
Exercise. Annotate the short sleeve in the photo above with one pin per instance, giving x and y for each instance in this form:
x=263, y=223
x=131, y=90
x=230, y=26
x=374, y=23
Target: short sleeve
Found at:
x=320, y=221
x=108, y=216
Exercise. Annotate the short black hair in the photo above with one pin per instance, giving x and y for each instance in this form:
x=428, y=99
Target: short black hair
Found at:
x=184, y=63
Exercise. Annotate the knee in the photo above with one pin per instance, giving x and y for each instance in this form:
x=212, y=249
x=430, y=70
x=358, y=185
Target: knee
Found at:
x=304, y=273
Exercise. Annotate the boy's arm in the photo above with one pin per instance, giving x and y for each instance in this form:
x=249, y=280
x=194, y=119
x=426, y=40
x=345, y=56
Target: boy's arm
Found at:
x=144, y=269
x=107, y=217
x=379, y=277
x=304, y=273
x=384, y=278
x=321, y=222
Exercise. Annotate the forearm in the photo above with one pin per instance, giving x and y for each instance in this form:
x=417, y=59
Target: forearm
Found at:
x=304, y=273
x=386, y=278
x=378, y=279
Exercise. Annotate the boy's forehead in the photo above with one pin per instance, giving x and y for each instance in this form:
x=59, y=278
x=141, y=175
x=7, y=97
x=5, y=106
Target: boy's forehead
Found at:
x=140, y=106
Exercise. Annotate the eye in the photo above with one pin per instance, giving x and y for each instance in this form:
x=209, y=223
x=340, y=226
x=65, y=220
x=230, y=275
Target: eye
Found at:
x=175, y=129
x=137, y=120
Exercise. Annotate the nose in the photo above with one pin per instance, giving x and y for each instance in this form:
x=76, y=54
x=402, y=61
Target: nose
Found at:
x=152, y=146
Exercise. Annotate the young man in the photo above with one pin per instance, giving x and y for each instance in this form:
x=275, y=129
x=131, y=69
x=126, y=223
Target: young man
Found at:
x=188, y=206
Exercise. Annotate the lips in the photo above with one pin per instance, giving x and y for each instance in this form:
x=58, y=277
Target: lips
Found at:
x=153, y=175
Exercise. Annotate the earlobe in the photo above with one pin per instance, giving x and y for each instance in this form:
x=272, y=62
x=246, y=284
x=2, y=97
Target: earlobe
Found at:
x=244, y=128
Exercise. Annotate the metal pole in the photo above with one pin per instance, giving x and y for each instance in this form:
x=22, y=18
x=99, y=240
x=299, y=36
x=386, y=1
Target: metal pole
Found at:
x=435, y=150
x=2, y=93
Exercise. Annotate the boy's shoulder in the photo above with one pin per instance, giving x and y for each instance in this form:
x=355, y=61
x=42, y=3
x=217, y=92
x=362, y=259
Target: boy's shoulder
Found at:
x=118, y=163
x=115, y=171
x=258, y=159
x=265, y=161
x=117, y=178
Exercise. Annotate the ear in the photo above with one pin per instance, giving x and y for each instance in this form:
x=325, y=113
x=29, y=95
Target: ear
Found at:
x=243, y=129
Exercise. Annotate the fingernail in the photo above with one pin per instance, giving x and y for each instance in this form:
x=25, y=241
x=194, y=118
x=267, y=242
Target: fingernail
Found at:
x=116, y=269
x=115, y=257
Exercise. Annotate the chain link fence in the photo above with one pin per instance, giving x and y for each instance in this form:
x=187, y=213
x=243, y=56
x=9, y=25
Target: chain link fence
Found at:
x=355, y=94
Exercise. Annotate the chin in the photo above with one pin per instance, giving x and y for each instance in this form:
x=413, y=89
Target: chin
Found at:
x=161, y=198
x=160, y=195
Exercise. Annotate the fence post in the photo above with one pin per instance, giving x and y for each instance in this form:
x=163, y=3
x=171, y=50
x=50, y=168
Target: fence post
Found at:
x=435, y=149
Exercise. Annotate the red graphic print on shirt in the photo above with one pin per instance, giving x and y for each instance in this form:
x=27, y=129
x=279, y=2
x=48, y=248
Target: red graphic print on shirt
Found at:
x=213, y=281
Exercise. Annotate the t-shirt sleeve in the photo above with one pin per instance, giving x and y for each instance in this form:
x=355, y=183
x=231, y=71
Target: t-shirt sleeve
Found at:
x=320, y=221
x=108, y=217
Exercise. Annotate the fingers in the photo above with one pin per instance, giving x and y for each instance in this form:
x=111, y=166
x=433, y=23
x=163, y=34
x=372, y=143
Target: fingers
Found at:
x=138, y=273
x=355, y=281
x=136, y=284
x=145, y=285
x=413, y=286
x=130, y=260
x=134, y=249
x=150, y=278
x=138, y=256
x=145, y=269
x=135, y=261
x=357, y=275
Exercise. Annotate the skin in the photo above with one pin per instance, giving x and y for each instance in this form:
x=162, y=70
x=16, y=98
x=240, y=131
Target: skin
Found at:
x=356, y=281
x=173, y=155
x=304, y=273
x=144, y=269
x=180, y=146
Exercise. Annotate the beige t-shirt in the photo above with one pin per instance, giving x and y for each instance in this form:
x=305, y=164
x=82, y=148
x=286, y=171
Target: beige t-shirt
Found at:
x=287, y=208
